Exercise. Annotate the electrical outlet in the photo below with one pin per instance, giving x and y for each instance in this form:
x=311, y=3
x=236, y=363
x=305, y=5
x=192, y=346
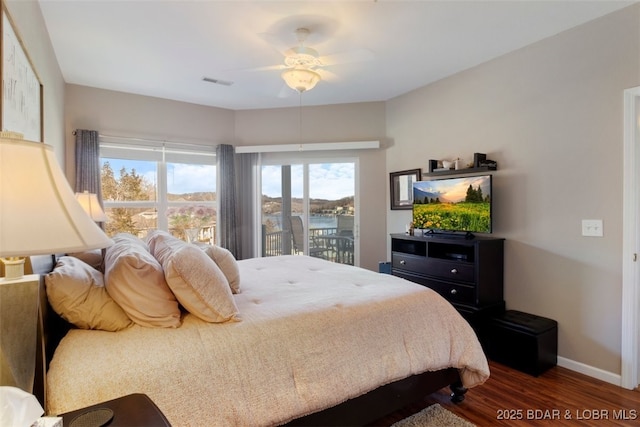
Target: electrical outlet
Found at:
x=592, y=228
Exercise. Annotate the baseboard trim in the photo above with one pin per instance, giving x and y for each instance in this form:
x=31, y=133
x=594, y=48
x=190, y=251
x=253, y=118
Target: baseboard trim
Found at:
x=601, y=374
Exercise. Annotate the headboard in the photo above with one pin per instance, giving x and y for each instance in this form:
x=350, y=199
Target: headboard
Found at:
x=51, y=327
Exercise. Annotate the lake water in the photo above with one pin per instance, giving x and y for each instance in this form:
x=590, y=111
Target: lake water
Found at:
x=316, y=221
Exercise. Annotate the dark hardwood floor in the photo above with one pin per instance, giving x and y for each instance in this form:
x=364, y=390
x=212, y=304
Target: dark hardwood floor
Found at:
x=559, y=397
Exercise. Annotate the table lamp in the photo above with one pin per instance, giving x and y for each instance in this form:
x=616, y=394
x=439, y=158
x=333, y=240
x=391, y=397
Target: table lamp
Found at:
x=39, y=214
x=90, y=204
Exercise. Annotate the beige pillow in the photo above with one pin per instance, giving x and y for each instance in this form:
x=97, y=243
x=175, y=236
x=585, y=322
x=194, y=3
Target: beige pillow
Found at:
x=195, y=279
x=227, y=263
x=76, y=292
x=135, y=280
x=152, y=236
x=93, y=258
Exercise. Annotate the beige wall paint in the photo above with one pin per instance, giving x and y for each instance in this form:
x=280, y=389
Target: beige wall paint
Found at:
x=123, y=114
x=329, y=123
x=551, y=115
x=29, y=25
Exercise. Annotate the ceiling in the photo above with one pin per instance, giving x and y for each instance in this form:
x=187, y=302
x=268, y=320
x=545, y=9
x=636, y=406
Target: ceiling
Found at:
x=381, y=49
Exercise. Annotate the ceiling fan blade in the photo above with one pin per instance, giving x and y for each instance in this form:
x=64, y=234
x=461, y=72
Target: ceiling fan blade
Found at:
x=274, y=42
x=357, y=55
x=327, y=75
x=265, y=68
x=302, y=56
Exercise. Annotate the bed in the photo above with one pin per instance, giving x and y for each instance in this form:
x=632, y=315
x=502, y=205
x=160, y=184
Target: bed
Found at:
x=311, y=343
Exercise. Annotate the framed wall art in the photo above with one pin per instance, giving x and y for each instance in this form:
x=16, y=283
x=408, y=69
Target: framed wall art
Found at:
x=21, y=88
x=401, y=185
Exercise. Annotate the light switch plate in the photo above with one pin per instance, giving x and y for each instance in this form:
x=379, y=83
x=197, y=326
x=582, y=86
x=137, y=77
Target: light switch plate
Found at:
x=592, y=228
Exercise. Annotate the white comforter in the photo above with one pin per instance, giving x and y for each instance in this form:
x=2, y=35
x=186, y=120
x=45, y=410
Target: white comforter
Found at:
x=313, y=334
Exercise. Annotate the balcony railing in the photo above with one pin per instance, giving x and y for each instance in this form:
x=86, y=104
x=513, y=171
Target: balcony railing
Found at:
x=275, y=243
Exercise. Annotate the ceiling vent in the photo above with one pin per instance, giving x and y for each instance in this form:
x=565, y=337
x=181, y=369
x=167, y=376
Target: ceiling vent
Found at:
x=217, y=81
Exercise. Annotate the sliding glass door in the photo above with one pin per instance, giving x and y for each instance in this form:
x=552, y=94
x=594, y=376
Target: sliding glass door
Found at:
x=309, y=209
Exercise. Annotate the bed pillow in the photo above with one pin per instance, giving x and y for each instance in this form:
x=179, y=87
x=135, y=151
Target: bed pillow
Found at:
x=93, y=258
x=76, y=292
x=227, y=263
x=195, y=279
x=135, y=280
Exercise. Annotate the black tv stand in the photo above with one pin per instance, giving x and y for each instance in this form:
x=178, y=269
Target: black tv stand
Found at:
x=448, y=235
x=466, y=272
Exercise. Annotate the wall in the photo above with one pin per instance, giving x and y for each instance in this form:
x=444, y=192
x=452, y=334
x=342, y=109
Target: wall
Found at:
x=122, y=114
x=29, y=25
x=551, y=115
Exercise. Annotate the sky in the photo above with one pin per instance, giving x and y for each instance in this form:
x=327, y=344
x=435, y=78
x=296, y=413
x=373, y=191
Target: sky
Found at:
x=331, y=181
x=181, y=178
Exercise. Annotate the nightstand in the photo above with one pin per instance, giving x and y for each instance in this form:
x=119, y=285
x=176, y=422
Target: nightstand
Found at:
x=130, y=410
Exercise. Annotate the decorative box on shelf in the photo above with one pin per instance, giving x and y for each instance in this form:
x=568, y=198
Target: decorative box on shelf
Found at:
x=480, y=164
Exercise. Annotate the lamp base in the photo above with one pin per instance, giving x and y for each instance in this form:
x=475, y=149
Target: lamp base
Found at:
x=13, y=267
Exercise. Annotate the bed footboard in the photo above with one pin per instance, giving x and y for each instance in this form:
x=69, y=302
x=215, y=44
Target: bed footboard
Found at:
x=384, y=400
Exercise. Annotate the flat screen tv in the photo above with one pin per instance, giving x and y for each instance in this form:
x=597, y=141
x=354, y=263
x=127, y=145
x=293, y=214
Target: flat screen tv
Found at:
x=453, y=205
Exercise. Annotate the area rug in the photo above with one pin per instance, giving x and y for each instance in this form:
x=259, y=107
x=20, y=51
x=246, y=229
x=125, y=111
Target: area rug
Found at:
x=434, y=416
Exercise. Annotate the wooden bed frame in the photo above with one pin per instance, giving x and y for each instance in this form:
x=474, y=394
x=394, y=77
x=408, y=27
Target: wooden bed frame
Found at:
x=360, y=410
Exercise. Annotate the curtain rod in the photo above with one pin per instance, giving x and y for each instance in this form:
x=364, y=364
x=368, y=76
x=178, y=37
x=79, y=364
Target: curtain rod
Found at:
x=318, y=146
x=159, y=141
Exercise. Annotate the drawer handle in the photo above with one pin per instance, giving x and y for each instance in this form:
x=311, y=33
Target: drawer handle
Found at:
x=454, y=291
x=454, y=271
x=402, y=262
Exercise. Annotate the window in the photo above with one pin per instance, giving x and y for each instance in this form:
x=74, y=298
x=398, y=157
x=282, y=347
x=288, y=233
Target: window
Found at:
x=146, y=187
x=308, y=207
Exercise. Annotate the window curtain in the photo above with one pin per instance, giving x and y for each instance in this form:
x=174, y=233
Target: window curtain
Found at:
x=227, y=219
x=247, y=179
x=88, y=162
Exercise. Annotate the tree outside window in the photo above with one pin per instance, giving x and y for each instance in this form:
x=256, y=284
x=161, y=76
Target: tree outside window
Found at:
x=133, y=201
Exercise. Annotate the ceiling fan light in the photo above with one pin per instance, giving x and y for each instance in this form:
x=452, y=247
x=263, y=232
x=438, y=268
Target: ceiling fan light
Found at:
x=300, y=79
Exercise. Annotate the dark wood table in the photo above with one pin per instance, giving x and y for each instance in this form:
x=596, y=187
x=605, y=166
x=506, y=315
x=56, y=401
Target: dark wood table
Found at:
x=133, y=410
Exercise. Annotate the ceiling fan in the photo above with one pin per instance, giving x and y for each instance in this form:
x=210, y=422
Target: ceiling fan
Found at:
x=301, y=62
x=303, y=65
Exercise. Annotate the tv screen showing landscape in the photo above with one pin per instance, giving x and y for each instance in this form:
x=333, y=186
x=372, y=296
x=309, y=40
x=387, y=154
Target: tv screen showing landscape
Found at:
x=453, y=204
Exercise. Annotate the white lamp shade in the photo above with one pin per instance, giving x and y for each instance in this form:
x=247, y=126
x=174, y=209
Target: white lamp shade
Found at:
x=301, y=79
x=90, y=204
x=39, y=213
